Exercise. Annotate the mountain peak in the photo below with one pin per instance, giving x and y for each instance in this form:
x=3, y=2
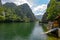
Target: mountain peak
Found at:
x=10, y=5
x=25, y=5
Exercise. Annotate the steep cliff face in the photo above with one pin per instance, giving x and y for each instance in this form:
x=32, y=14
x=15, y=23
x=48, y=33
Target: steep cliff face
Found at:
x=53, y=9
x=44, y=18
x=0, y=3
x=21, y=13
x=25, y=10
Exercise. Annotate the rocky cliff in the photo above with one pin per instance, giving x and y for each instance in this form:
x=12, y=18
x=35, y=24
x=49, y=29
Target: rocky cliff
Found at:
x=11, y=12
x=0, y=3
x=53, y=9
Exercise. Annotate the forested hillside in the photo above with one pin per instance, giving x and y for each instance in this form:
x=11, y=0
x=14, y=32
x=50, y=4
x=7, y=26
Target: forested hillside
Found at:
x=53, y=10
x=9, y=12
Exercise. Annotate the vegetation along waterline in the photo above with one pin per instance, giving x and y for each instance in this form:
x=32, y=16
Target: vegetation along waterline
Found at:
x=52, y=16
x=10, y=12
x=22, y=22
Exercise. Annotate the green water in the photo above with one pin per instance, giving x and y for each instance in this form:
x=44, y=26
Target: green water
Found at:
x=23, y=31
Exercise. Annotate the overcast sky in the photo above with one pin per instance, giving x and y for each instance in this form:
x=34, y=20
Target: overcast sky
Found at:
x=38, y=6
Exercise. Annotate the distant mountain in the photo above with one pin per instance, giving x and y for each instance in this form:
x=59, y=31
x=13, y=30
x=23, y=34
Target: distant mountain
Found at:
x=10, y=5
x=25, y=10
x=12, y=12
x=39, y=17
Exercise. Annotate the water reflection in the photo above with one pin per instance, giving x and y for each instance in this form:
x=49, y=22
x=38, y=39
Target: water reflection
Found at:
x=37, y=33
x=16, y=31
x=22, y=31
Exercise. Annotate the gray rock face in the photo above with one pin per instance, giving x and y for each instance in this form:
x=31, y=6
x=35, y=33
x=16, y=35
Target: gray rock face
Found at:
x=26, y=11
x=44, y=19
x=22, y=10
x=0, y=3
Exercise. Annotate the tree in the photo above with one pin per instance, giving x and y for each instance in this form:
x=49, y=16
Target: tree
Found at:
x=53, y=10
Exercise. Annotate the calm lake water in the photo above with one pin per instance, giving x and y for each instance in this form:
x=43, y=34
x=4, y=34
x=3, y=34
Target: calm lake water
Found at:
x=23, y=31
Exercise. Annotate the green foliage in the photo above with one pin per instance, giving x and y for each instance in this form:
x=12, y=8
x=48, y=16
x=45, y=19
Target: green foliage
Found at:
x=26, y=19
x=53, y=10
x=12, y=13
x=2, y=18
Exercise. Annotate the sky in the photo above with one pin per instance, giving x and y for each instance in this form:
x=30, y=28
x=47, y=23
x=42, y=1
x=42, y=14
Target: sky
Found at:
x=38, y=6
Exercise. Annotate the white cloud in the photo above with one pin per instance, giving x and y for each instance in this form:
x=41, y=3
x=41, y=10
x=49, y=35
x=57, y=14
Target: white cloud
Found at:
x=48, y=0
x=37, y=9
x=22, y=2
x=19, y=2
x=40, y=7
